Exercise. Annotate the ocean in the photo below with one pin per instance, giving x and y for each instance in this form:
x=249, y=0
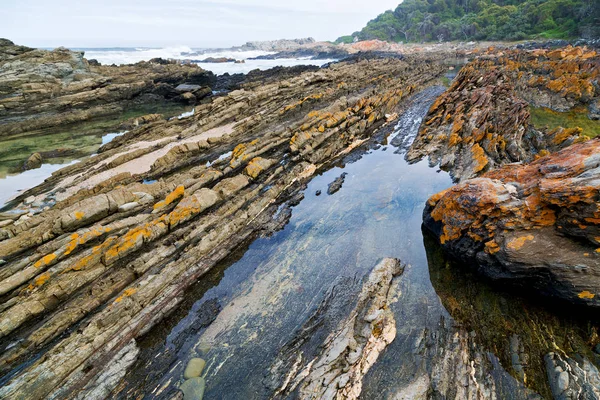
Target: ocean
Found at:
x=120, y=55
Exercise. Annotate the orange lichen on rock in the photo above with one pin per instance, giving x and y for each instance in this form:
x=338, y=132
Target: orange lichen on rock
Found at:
x=77, y=240
x=517, y=243
x=171, y=197
x=479, y=157
x=586, y=295
x=45, y=261
x=79, y=215
x=40, y=280
x=126, y=293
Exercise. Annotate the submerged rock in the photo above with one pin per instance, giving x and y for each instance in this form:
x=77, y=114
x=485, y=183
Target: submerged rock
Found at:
x=194, y=368
x=193, y=388
x=34, y=161
x=336, y=184
x=349, y=351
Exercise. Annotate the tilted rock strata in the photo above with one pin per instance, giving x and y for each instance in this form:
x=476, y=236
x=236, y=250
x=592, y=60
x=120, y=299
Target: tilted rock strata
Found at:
x=138, y=223
x=537, y=225
x=352, y=348
x=41, y=89
x=483, y=120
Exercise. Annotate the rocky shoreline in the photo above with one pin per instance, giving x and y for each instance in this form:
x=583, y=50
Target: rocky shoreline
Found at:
x=527, y=209
x=113, y=242
x=42, y=89
x=134, y=226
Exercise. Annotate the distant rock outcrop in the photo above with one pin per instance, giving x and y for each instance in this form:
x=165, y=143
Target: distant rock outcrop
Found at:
x=41, y=89
x=277, y=45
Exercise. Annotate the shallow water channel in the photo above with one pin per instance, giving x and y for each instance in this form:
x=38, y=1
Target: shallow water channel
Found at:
x=449, y=324
x=61, y=147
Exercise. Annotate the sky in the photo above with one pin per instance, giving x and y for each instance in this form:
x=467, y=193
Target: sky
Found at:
x=194, y=23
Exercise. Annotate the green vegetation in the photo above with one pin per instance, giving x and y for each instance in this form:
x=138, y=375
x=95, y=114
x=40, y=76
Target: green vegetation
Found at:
x=444, y=20
x=541, y=117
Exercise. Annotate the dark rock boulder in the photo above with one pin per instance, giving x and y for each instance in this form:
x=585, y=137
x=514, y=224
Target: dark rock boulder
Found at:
x=536, y=226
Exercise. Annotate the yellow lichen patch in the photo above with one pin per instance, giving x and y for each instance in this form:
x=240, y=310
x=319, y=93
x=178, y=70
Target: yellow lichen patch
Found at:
x=79, y=214
x=133, y=238
x=45, y=261
x=254, y=167
x=171, y=197
x=41, y=279
x=586, y=295
x=77, y=239
x=321, y=129
x=126, y=293
x=479, y=157
x=517, y=243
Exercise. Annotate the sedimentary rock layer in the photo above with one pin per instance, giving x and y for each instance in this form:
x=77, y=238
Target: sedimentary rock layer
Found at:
x=41, y=89
x=131, y=228
x=483, y=120
x=536, y=225
x=350, y=349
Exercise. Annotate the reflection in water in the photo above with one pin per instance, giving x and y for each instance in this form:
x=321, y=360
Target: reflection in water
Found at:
x=59, y=148
x=12, y=185
x=519, y=331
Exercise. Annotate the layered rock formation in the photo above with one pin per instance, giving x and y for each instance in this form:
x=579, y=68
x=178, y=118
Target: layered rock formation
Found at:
x=41, y=89
x=483, y=121
x=131, y=228
x=536, y=225
x=350, y=350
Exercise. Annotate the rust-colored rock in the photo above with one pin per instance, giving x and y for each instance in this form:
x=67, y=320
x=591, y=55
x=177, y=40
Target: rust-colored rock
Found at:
x=535, y=225
x=483, y=121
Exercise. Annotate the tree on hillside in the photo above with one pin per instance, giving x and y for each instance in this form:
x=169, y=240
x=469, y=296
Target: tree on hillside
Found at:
x=434, y=20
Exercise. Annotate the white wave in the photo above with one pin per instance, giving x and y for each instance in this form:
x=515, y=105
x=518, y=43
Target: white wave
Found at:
x=131, y=56
x=250, y=65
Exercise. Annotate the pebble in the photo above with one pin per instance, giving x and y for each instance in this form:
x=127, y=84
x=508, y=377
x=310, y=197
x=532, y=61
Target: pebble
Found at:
x=318, y=193
x=193, y=389
x=194, y=368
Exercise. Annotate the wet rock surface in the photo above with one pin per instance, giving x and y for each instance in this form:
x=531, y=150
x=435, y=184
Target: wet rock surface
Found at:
x=134, y=226
x=336, y=184
x=349, y=351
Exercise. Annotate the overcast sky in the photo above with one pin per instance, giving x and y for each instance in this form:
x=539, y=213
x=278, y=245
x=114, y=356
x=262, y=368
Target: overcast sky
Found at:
x=194, y=23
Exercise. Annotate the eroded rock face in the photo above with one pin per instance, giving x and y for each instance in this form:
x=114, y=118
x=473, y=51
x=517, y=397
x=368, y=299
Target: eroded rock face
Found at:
x=483, y=120
x=536, y=225
x=41, y=89
x=134, y=226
